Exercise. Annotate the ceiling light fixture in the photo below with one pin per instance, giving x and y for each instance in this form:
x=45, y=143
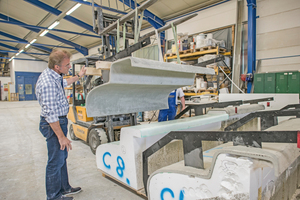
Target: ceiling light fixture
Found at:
x=27, y=46
x=73, y=9
x=53, y=25
x=18, y=54
x=44, y=33
x=21, y=51
x=11, y=58
x=33, y=41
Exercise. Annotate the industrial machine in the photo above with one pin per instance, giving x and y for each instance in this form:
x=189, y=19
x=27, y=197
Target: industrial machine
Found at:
x=94, y=130
x=90, y=124
x=135, y=85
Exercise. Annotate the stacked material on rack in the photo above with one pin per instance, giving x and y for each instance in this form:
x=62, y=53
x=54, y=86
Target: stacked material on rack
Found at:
x=204, y=40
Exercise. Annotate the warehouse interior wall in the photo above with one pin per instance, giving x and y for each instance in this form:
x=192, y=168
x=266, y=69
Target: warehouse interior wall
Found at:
x=26, y=66
x=278, y=28
x=4, y=80
x=212, y=18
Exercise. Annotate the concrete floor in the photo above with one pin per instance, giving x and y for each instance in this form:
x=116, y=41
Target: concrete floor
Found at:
x=23, y=158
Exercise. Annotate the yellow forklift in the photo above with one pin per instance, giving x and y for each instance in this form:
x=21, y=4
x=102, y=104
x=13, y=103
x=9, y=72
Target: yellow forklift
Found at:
x=94, y=130
x=98, y=130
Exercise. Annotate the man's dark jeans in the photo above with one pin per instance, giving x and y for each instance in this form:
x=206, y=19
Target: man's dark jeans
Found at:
x=56, y=171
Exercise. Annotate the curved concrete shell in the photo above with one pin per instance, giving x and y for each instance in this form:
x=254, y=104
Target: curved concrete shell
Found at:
x=138, y=85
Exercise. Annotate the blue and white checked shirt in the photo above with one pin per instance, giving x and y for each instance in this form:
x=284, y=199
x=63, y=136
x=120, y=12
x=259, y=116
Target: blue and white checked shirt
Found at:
x=50, y=95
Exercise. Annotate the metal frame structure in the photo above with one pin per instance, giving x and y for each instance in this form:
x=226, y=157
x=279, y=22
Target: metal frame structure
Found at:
x=41, y=54
x=155, y=21
x=192, y=140
x=251, y=41
x=108, y=55
x=79, y=48
x=44, y=28
x=57, y=12
x=192, y=143
x=107, y=123
x=101, y=6
x=199, y=108
x=267, y=118
x=9, y=47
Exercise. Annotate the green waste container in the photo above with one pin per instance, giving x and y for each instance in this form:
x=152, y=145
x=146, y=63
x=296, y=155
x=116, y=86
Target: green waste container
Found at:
x=259, y=83
x=294, y=82
x=270, y=83
x=282, y=82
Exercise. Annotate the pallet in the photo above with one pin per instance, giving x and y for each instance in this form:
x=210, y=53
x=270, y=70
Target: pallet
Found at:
x=170, y=54
x=140, y=192
x=14, y=96
x=222, y=50
x=201, y=91
x=188, y=51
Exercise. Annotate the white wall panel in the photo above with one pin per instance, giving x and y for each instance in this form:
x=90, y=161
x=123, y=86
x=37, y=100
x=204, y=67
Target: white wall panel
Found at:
x=279, y=21
x=278, y=35
x=269, y=7
x=279, y=68
x=26, y=66
x=211, y=18
x=283, y=64
x=278, y=39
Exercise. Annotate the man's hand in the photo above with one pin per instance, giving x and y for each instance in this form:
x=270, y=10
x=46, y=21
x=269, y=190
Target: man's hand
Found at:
x=62, y=139
x=65, y=143
x=76, y=78
x=182, y=102
x=183, y=107
x=82, y=71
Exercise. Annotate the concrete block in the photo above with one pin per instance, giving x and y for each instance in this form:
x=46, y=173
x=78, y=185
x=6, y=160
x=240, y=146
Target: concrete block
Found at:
x=228, y=175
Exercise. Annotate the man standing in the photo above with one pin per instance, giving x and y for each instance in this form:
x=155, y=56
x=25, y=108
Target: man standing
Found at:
x=169, y=114
x=54, y=123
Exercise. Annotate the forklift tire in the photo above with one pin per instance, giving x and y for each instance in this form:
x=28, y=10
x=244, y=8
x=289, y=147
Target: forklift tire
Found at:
x=94, y=140
x=71, y=133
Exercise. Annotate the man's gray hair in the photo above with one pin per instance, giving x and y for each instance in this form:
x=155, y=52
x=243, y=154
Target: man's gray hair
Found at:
x=57, y=56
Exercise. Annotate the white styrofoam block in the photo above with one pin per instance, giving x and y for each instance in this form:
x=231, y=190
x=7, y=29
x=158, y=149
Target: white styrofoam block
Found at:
x=230, y=172
x=232, y=178
x=123, y=159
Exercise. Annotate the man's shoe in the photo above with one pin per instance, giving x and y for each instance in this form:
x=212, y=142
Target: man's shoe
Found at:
x=72, y=191
x=64, y=198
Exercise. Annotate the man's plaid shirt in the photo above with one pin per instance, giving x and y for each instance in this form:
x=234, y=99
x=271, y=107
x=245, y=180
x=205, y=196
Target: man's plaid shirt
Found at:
x=50, y=95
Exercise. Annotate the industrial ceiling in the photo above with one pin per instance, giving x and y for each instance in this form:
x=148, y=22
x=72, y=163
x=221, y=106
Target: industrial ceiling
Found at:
x=22, y=21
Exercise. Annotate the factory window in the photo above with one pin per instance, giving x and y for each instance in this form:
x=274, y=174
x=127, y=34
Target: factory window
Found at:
x=28, y=88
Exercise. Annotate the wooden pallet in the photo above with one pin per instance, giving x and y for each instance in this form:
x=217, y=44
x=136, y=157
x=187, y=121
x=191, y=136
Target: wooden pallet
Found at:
x=222, y=50
x=14, y=96
x=188, y=51
x=201, y=91
x=140, y=192
x=170, y=54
